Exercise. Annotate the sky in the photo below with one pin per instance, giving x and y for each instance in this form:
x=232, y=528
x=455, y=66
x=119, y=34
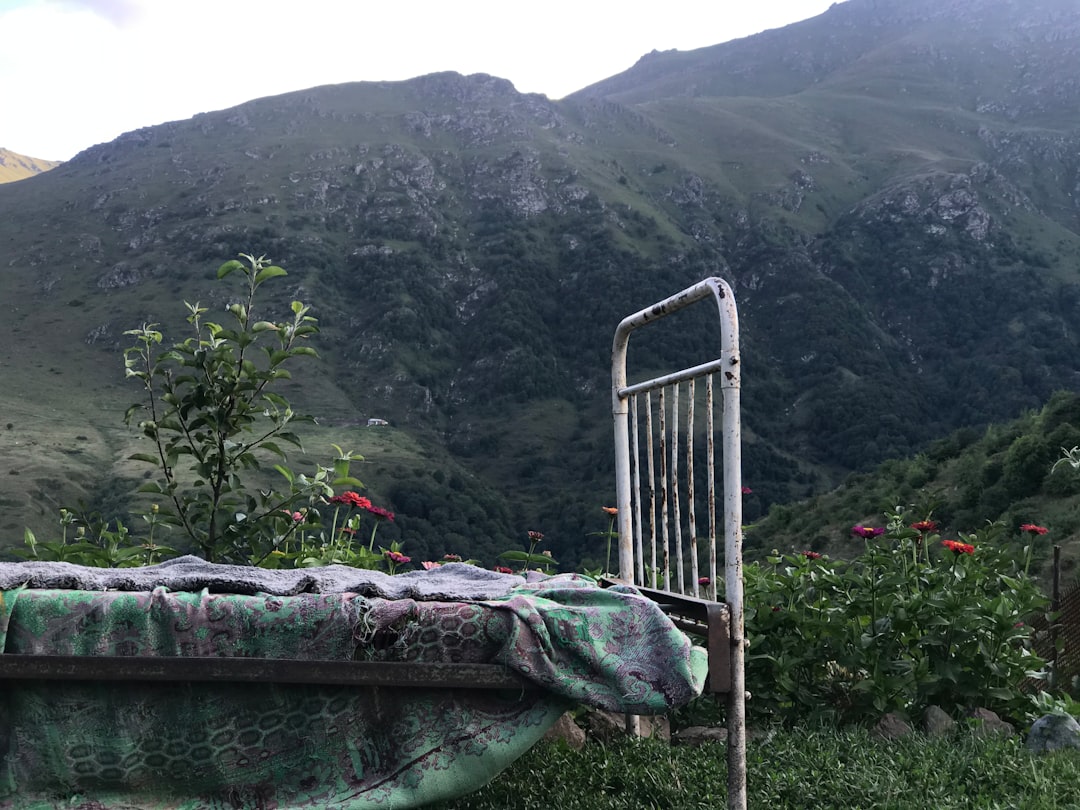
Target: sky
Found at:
x=76, y=73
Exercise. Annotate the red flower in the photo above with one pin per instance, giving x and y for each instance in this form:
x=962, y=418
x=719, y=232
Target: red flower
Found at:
x=352, y=499
x=397, y=557
x=536, y=537
x=611, y=510
x=746, y=490
x=1031, y=527
x=452, y=557
x=379, y=512
x=958, y=547
x=811, y=555
x=775, y=608
x=502, y=569
x=866, y=532
x=703, y=581
x=924, y=526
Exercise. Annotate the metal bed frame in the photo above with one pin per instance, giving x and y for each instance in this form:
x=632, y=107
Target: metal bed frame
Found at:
x=650, y=499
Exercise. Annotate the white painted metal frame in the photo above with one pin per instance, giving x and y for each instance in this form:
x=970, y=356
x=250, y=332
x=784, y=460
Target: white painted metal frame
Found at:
x=661, y=505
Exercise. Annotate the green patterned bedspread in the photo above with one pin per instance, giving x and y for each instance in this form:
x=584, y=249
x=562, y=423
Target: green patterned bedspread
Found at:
x=193, y=746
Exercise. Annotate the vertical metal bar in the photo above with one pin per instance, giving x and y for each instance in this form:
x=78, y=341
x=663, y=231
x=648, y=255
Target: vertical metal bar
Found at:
x=664, y=533
x=676, y=501
x=620, y=415
x=710, y=468
x=690, y=481
x=639, y=553
x=652, y=489
x=1055, y=609
x=730, y=387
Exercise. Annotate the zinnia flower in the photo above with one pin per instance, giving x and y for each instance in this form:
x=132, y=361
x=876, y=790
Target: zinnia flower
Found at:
x=1031, y=527
x=867, y=532
x=427, y=565
x=611, y=510
x=502, y=569
x=811, y=555
x=924, y=526
x=397, y=557
x=746, y=490
x=451, y=557
x=352, y=499
x=536, y=537
x=379, y=512
x=703, y=581
x=958, y=547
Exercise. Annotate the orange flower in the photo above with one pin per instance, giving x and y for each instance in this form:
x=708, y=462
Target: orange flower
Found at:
x=611, y=510
x=958, y=547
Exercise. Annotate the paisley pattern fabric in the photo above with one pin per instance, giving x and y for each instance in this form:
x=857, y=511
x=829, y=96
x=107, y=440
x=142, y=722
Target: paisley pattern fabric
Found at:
x=196, y=746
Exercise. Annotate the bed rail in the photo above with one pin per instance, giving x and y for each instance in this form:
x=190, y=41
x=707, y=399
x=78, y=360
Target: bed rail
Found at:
x=426, y=675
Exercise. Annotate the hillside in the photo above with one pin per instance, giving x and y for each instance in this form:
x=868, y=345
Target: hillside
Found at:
x=1008, y=473
x=890, y=189
x=16, y=167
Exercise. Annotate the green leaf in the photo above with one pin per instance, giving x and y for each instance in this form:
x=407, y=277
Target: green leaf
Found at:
x=273, y=271
x=144, y=457
x=229, y=267
x=348, y=481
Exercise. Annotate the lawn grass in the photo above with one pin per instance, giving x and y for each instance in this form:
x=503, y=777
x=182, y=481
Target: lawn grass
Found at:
x=820, y=769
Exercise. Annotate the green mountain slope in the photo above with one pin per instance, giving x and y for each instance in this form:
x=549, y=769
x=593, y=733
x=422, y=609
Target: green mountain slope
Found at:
x=901, y=240
x=1008, y=473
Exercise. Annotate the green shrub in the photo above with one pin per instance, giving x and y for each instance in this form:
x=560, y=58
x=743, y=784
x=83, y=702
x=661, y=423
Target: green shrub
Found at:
x=913, y=620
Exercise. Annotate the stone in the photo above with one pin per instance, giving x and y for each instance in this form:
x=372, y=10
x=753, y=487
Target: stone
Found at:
x=1053, y=732
x=986, y=723
x=611, y=725
x=937, y=722
x=567, y=730
x=892, y=727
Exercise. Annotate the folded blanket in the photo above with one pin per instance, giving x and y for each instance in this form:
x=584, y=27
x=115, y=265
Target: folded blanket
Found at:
x=448, y=582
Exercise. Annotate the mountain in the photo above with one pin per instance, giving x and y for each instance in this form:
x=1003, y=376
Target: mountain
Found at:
x=891, y=189
x=15, y=167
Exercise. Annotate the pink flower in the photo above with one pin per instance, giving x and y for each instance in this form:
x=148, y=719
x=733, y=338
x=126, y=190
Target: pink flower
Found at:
x=1031, y=527
x=427, y=565
x=451, y=557
x=811, y=555
x=536, y=537
x=867, y=532
x=379, y=512
x=746, y=491
x=397, y=557
x=704, y=581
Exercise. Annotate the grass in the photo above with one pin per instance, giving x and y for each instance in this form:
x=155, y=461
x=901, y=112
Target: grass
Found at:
x=816, y=768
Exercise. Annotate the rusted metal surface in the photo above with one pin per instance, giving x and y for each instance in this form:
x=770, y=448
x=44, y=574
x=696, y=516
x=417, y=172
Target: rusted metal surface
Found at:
x=260, y=670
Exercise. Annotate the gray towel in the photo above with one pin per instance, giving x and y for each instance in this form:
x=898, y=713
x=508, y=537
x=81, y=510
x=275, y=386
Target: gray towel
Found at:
x=452, y=582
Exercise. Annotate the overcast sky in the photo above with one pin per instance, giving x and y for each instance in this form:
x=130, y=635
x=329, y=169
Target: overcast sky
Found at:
x=76, y=73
